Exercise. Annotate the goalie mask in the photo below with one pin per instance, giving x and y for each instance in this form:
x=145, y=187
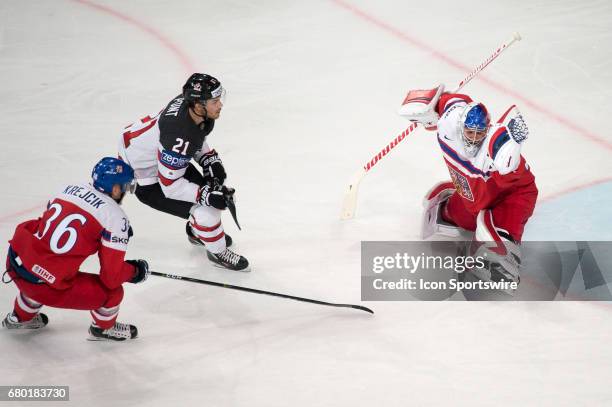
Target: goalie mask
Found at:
x=474, y=124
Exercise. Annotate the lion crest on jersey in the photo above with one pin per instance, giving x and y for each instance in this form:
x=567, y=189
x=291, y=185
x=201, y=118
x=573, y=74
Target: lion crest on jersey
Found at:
x=461, y=183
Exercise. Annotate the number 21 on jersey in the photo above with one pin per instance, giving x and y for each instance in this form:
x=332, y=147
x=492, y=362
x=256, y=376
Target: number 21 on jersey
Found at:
x=181, y=143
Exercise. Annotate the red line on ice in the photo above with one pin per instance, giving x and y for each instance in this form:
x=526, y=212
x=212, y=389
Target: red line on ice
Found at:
x=189, y=67
x=12, y=216
x=181, y=56
x=554, y=116
x=448, y=60
x=575, y=188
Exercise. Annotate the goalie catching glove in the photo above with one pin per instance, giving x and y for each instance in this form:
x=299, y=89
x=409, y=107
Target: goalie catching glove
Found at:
x=420, y=106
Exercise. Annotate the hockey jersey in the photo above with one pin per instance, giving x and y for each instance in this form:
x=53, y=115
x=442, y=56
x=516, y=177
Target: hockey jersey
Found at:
x=159, y=148
x=495, y=170
x=78, y=222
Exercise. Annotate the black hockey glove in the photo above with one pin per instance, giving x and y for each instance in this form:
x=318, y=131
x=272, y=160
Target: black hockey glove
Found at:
x=212, y=167
x=213, y=196
x=142, y=270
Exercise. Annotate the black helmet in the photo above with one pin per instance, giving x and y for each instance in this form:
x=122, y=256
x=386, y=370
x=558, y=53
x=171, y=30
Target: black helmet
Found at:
x=201, y=87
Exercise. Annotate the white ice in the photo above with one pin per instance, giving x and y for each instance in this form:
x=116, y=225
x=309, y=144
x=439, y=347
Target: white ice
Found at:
x=313, y=88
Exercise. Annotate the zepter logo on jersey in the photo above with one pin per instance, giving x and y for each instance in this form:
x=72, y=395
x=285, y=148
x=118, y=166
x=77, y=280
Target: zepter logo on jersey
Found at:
x=173, y=160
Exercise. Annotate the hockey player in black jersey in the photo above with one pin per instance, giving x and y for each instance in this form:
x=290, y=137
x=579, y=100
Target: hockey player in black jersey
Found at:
x=160, y=148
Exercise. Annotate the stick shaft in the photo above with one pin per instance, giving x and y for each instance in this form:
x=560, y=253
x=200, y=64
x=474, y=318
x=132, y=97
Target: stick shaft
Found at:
x=256, y=291
x=515, y=37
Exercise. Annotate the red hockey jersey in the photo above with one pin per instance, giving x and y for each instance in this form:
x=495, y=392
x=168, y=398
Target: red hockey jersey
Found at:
x=78, y=222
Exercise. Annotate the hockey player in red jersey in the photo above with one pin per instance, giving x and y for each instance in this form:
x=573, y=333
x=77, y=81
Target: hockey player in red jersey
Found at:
x=492, y=191
x=45, y=255
x=160, y=148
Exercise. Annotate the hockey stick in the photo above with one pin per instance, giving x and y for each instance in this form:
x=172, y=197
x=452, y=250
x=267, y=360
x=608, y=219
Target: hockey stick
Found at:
x=350, y=196
x=253, y=290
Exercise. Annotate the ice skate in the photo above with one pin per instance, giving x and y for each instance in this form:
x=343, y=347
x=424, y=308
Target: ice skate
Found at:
x=12, y=322
x=119, y=332
x=229, y=260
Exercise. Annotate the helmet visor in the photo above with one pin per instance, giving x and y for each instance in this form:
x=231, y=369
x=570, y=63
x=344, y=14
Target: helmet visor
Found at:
x=129, y=186
x=218, y=93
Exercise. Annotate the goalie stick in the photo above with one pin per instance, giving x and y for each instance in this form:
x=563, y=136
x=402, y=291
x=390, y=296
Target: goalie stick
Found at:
x=349, y=203
x=253, y=290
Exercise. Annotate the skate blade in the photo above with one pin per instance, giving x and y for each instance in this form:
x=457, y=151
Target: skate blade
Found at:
x=93, y=338
x=245, y=270
x=96, y=339
x=22, y=328
x=195, y=242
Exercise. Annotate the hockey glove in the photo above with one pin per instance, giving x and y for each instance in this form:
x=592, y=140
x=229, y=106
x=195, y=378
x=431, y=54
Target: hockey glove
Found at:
x=212, y=196
x=142, y=271
x=212, y=166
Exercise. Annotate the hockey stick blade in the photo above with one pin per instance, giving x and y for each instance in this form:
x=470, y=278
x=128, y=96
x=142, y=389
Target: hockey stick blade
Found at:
x=256, y=291
x=349, y=204
x=229, y=201
x=350, y=196
x=228, y=196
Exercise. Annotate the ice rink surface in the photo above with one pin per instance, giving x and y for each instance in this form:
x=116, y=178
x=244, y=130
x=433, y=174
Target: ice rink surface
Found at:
x=313, y=89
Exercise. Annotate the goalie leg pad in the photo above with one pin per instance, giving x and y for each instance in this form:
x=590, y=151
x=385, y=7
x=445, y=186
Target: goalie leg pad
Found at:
x=502, y=255
x=433, y=203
